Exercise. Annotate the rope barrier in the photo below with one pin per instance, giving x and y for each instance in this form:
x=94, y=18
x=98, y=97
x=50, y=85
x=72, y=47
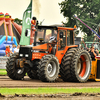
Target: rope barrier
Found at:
x=88, y=27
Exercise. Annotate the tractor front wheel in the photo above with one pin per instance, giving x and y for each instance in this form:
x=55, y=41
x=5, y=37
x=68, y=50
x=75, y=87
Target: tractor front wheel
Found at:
x=48, y=68
x=32, y=71
x=13, y=71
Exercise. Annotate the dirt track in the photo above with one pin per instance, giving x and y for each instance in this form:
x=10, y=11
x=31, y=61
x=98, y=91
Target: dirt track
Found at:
x=5, y=81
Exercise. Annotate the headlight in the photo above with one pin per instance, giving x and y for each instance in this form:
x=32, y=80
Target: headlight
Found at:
x=21, y=55
x=26, y=55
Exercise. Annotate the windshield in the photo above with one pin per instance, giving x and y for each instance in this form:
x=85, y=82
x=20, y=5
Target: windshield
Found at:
x=45, y=34
x=40, y=34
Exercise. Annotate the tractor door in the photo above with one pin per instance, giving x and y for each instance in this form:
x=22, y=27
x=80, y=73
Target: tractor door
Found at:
x=62, y=40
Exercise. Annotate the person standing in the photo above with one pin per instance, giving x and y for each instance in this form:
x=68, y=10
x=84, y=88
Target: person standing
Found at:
x=13, y=47
x=96, y=46
x=93, y=53
x=7, y=51
x=17, y=49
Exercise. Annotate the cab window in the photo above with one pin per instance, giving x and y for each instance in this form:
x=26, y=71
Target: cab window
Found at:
x=62, y=39
x=70, y=40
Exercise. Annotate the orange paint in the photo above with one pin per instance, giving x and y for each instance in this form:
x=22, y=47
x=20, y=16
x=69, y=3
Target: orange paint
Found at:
x=84, y=66
x=38, y=55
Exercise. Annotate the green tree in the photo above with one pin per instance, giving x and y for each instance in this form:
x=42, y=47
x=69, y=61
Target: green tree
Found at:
x=18, y=21
x=88, y=38
x=89, y=10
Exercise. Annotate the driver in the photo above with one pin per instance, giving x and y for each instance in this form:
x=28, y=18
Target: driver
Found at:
x=53, y=41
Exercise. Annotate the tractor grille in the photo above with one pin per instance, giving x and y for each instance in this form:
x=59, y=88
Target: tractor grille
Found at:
x=25, y=52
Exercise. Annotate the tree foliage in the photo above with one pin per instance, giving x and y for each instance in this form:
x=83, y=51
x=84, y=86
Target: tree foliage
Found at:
x=89, y=38
x=18, y=21
x=89, y=10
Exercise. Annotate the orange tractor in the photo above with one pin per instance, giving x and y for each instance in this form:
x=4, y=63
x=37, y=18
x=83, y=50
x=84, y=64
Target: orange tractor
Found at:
x=53, y=53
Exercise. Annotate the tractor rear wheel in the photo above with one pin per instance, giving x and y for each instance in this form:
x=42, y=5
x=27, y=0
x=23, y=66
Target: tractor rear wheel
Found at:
x=76, y=66
x=65, y=67
x=13, y=71
x=48, y=68
x=81, y=66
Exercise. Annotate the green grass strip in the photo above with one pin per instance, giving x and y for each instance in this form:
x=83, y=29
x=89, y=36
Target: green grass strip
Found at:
x=47, y=90
x=3, y=72
x=2, y=69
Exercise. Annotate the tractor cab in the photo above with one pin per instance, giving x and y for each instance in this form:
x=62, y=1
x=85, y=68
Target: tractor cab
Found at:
x=43, y=34
x=47, y=34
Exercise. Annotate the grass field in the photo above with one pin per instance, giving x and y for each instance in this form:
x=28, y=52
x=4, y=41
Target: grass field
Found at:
x=47, y=90
x=3, y=72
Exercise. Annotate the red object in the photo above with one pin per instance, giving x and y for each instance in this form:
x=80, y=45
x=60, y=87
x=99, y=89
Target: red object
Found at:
x=6, y=14
x=1, y=13
x=7, y=51
x=33, y=22
x=8, y=17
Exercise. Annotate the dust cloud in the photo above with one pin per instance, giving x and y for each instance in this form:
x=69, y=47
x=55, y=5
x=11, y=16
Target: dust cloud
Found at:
x=36, y=8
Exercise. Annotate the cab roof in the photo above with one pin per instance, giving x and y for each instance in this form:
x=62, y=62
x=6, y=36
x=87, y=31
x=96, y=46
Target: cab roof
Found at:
x=55, y=27
x=48, y=27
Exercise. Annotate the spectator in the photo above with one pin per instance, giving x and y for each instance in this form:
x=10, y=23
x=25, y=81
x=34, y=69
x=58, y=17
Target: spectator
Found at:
x=93, y=53
x=7, y=51
x=17, y=49
x=97, y=52
x=95, y=46
x=13, y=47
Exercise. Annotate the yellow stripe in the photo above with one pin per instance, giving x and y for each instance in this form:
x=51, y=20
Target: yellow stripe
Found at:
x=6, y=16
x=1, y=16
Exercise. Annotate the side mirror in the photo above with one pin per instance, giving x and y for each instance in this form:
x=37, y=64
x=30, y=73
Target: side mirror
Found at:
x=61, y=34
x=27, y=32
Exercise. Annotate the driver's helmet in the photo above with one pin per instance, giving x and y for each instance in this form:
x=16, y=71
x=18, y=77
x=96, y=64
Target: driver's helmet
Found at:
x=52, y=39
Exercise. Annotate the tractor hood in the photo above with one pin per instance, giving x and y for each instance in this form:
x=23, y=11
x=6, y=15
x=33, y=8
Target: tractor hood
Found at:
x=41, y=47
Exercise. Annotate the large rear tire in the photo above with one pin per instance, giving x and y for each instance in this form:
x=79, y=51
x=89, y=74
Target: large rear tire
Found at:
x=13, y=71
x=65, y=67
x=81, y=66
x=48, y=68
x=76, y=65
